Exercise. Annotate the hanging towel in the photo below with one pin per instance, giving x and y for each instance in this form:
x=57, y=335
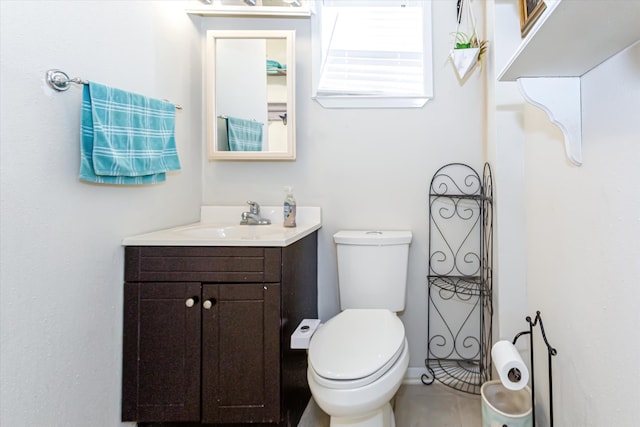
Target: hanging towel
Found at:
x=126, y=138
x=244, y=135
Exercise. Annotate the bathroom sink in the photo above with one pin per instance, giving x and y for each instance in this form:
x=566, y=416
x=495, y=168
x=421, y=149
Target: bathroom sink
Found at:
x=214, y=231
x=220, y=226
x=232, y=231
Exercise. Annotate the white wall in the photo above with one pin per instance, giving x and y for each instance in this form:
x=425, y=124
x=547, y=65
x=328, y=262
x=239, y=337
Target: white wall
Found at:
x=583, y=226
x=365, y=168
x=505, y=152
x=61, y=263
x=567, y=236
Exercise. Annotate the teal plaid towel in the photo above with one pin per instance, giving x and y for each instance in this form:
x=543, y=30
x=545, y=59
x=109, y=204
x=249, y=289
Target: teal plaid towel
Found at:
x=244, y=135
x=126, y=138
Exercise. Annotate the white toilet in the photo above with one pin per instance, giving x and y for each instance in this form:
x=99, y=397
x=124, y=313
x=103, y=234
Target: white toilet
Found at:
x=357, y=359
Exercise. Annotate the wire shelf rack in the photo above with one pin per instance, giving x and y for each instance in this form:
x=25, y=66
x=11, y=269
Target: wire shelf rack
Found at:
x=460, y=278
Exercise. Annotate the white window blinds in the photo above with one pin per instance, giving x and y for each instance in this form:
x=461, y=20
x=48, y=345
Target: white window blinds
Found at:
x=369, y=50
x=374, y=52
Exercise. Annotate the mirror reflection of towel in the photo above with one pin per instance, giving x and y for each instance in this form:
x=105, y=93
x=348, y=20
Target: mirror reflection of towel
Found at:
x=274, y=67
x=244, y=135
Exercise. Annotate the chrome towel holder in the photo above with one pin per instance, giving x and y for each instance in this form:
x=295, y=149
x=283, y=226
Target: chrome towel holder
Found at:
x=59, y=80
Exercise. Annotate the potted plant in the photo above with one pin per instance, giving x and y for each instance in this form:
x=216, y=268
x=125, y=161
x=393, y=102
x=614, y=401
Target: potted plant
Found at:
x=467, y=51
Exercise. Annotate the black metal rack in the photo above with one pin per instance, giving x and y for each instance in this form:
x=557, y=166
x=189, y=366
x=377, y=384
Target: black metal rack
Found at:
x=551, y=351
x=460, y=278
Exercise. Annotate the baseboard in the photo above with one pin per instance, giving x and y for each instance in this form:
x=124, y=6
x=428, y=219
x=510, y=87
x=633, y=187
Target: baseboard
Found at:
x=413, y=375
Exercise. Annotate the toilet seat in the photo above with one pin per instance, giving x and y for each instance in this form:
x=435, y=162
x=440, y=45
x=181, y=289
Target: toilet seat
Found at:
x=356, y=347
x=360, y=382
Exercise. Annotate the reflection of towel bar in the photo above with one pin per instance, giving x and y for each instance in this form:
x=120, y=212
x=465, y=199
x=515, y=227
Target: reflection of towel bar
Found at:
x=224, y=116
x=60, y=81
x=273, y=116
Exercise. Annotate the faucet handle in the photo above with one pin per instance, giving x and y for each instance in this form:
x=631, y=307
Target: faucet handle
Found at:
x=254, y=207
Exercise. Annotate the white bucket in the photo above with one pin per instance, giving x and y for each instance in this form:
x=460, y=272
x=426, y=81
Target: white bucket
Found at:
x=502, y=407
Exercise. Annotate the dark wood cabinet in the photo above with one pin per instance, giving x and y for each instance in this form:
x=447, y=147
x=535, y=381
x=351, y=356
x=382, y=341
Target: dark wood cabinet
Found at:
x=161, y=369
x=241, y=354
x=207, y=333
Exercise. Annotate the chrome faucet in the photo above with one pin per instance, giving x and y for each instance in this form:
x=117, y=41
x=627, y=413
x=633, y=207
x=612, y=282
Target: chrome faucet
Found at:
x=253, y=216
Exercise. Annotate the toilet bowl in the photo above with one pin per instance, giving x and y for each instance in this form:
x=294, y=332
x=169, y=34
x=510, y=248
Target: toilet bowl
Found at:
x=357, y=359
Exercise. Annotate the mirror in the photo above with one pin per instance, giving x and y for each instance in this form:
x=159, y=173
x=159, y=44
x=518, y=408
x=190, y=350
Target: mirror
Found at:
x=250, y=95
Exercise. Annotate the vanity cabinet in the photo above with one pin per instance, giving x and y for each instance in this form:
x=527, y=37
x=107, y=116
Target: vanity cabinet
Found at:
x=207, y=333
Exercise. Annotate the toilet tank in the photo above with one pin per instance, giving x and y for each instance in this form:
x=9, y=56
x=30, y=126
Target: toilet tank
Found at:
x=372, y=268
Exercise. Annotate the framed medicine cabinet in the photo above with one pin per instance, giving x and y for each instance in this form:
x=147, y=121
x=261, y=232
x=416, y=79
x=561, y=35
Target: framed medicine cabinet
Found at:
x=250, y=94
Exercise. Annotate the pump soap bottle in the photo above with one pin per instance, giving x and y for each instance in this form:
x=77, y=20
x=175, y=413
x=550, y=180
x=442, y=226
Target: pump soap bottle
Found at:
x=289, y=208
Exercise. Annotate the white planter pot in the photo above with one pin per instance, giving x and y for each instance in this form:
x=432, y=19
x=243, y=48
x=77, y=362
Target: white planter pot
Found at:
x=464, y=60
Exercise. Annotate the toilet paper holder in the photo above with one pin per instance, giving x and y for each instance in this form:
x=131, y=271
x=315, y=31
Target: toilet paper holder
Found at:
x=551, y=351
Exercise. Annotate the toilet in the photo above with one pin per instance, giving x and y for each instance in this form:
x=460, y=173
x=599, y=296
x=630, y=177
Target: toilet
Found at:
x=358, y=358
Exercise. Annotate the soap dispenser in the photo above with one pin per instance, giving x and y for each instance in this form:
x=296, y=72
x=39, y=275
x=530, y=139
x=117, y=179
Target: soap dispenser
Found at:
x=289, y=208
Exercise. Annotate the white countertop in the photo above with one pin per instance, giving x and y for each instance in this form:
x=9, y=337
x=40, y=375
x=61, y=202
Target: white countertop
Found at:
x=220, y=226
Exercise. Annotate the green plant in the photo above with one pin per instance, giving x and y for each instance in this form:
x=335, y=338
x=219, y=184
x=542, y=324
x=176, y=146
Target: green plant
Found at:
x=464, y=41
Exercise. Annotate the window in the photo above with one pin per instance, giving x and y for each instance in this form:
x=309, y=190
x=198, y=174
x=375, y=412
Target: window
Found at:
x=372, y=53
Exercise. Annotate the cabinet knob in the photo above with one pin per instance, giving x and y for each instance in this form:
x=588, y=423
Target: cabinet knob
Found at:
x=209, y=303
x=190, y=302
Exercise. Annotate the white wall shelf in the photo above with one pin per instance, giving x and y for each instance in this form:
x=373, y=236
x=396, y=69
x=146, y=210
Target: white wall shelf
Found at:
x=570, y=38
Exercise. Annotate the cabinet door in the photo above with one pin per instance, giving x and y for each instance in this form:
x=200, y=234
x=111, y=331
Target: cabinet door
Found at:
x=161, y=358
x=241, y=353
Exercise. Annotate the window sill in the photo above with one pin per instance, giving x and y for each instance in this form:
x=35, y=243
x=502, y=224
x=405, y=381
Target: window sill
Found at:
x=351, y=101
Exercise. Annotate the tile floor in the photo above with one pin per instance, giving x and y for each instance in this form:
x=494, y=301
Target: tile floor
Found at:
x=417, y=405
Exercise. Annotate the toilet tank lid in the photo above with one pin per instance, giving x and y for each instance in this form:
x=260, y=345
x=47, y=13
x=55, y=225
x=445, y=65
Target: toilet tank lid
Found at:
x=373, y=237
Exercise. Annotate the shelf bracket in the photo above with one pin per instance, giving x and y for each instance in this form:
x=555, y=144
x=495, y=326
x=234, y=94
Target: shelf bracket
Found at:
x=559, y=97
